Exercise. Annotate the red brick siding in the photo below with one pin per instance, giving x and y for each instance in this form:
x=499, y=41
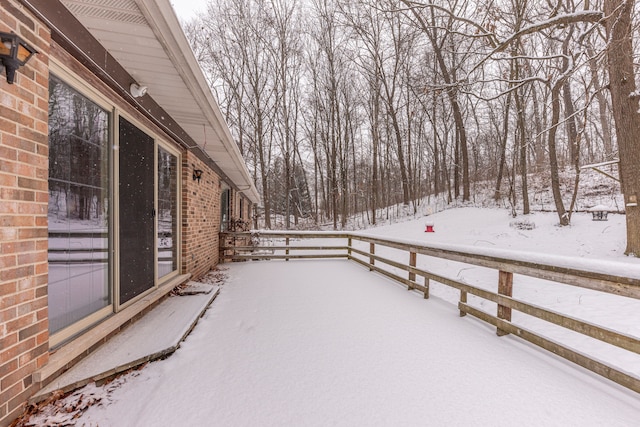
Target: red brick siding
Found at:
x=23, y=215
x=200, y=217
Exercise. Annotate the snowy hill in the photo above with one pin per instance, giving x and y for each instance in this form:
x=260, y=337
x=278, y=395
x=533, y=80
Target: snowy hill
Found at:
x=496, y=228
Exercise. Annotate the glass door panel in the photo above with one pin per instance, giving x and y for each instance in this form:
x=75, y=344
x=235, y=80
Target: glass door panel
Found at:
x=78, y=213
x=136, y=208
x=167, y=213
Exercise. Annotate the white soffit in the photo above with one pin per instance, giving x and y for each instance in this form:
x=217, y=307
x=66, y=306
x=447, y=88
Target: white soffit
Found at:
x=146, y=38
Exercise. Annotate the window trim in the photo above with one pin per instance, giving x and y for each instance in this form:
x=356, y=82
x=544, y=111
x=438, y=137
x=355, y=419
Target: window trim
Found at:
x=178, y=238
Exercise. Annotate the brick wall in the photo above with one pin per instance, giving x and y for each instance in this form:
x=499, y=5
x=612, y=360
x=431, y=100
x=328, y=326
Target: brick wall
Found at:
x=23, y=215
x=200, y=217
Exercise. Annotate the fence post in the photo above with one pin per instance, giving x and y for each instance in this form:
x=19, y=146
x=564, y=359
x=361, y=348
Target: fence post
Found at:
x=287, y=251
x=349, y=243
x=463, y=299
x=412, y=275
x=372, y=251
x=505, y=287
x=426, y=288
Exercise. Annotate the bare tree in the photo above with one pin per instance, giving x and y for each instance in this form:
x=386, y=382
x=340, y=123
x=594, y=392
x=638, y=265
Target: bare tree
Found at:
x=440, y=36
x=285, y=48
x=389, y=100
x=626, y=110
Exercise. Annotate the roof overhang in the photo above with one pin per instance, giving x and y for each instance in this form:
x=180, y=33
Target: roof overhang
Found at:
x=147, y=40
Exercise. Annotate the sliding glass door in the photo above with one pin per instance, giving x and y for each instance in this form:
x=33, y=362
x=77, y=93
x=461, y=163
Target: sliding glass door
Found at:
x=113, y=212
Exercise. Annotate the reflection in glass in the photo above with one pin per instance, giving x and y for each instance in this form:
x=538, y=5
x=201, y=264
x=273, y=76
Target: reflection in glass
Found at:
x=167, y=212
x=78, y=206
x=225, y=208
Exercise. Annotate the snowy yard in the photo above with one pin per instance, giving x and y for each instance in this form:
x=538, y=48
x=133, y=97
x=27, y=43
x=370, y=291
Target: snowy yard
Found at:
x=322, y=343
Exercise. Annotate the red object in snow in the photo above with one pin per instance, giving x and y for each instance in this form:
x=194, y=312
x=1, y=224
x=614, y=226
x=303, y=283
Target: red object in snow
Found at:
x=429, y=228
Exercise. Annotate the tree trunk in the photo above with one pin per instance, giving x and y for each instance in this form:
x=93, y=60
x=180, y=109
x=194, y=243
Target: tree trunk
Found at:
x=437, y=185
x=522, y=147
x=602, y=105
x=539, y=147
x=503, y=143
x=263, y=171
x=401, y=160
x=553, y=155
x=624, y=102
x=375, y=133
x=456, y=165
x=463, y=145
x=569, y=110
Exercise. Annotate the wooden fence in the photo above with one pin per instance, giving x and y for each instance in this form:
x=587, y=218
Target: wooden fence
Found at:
x=361, y=249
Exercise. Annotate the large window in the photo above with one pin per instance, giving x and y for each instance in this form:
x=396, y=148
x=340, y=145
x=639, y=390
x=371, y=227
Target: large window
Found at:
x=78, y=206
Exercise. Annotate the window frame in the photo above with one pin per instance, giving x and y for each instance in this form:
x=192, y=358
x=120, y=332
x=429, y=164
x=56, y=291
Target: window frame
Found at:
x=115, y=111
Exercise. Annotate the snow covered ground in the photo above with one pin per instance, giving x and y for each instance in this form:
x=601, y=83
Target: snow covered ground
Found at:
x=590, y=243
x=328, y=343
x=491, y=228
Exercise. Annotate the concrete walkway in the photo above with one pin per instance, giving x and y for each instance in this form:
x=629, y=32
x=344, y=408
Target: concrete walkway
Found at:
x=157, y=334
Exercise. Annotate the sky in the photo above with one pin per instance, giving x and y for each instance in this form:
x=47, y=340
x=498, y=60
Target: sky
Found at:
x=186, y=9
x=329, y=343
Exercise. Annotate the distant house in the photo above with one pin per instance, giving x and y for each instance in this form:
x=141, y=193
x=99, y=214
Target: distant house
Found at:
x=117, y=173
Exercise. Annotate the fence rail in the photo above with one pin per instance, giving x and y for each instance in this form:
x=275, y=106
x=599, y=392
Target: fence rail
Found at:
x=594, y=276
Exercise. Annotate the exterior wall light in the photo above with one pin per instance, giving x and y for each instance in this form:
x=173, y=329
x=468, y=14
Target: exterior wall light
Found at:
x=197, y=175
x=137, y=90
x=14, y=53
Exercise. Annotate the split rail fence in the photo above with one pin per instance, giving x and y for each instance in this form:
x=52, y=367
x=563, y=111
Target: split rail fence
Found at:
x=362, y=250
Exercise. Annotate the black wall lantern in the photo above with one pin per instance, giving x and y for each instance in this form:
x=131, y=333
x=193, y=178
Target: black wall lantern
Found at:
x=197, y=174
x=14, y=53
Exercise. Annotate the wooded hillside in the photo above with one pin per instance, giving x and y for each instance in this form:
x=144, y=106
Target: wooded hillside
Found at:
x=343, y=106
